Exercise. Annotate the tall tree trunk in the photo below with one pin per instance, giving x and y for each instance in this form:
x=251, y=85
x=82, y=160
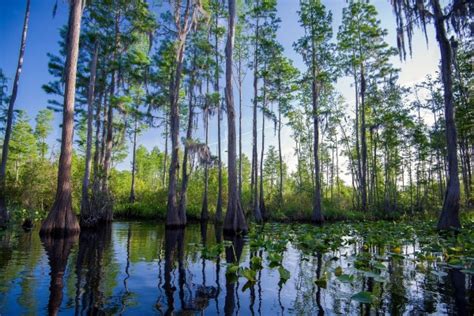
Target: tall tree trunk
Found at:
x=449, y=217
x=134, y=158
x=317, y=216
x=107, y=207
x=363, y=140
x=280, y=158
x=235, y=219
x=189, y=135
x=8, y=130
x=173, y=217
x=97, y=137
x=240, y=128
x=262, y=152
x=219, y=118
x=165, y=158
x=61, y=219
x=85, y=201
x=255, y=205
x=205, y=200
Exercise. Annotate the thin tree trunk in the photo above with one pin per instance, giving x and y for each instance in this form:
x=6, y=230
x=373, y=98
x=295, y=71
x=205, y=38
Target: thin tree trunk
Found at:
x=255, y=205
x=219, y=118
x=363, y=136
x=173, y=217
x=8, y=130
x=165, y=158
x=240, y=129
x=449, y=217
x=280, y=158
x=262, y=152
x=317, y=216
x=97, y=137
x=85, y=201
x=235, y=219
x=61, y=219
x=189, y=135
x=205, y=200
x=107, y=215
x=131, y=198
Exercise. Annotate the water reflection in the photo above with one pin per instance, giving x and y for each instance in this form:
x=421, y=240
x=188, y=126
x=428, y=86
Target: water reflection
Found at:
x=89, y=297
x=233, y=252
x=135, y=268
x=57, y=250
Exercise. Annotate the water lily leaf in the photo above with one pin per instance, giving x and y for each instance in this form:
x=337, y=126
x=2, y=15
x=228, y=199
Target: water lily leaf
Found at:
x=380, y=266
x=284, y=274
x=322, y=282
x=274, y=259
x=249, y=274
x=439, y=273
x=256, y=263
x=232, y=269
x=346, y=278
x=363, y=297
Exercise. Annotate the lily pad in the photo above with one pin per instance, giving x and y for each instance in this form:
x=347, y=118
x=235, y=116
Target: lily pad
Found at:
x=363, y=297
x=346, y=278
x=284, y=274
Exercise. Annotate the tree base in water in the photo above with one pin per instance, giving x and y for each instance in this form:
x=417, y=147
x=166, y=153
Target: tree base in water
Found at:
x=60, y=222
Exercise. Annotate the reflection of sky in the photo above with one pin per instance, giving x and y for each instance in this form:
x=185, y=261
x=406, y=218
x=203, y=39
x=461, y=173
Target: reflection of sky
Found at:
x=43, y=36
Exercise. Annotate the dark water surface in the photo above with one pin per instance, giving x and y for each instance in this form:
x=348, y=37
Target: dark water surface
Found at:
x=140, y=269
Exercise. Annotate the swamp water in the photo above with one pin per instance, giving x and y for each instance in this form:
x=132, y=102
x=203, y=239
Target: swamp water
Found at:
x=136, y=268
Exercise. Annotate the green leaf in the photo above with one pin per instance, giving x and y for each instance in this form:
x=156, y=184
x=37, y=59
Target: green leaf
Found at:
x=232, y=269
x=346, y=278
x=249, y=274
x=363, y=297
x=284, y=274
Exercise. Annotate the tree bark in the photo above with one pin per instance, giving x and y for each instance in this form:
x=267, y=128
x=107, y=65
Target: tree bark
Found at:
x=61, y=219
x=8, y=130
x=189, y=135
x=165, y=158
x=363, y=140
x=173, y=217
x=317, y=216
x=240, y=127
x=449, y=217
x=134, y=156
x=235, y=219
x=280, y=158
x=262, y=153
x=219, y=118
x=205, y=201
x=255, y=202
x=85, y=205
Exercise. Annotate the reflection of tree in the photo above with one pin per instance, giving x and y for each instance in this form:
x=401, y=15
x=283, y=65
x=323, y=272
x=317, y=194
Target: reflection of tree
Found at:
x=218, y=234
x=90, y=269
x=319, y=265
x=457, y=279
x=173, y=246
x=396, y=291
x=57, y=250
x=126, y=293
x=232, y=255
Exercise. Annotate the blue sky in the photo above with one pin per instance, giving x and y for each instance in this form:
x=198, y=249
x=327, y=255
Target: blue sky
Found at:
x=43, y=37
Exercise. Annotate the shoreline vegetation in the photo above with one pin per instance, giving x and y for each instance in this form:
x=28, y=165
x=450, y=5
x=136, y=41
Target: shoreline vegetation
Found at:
x=122, y=68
